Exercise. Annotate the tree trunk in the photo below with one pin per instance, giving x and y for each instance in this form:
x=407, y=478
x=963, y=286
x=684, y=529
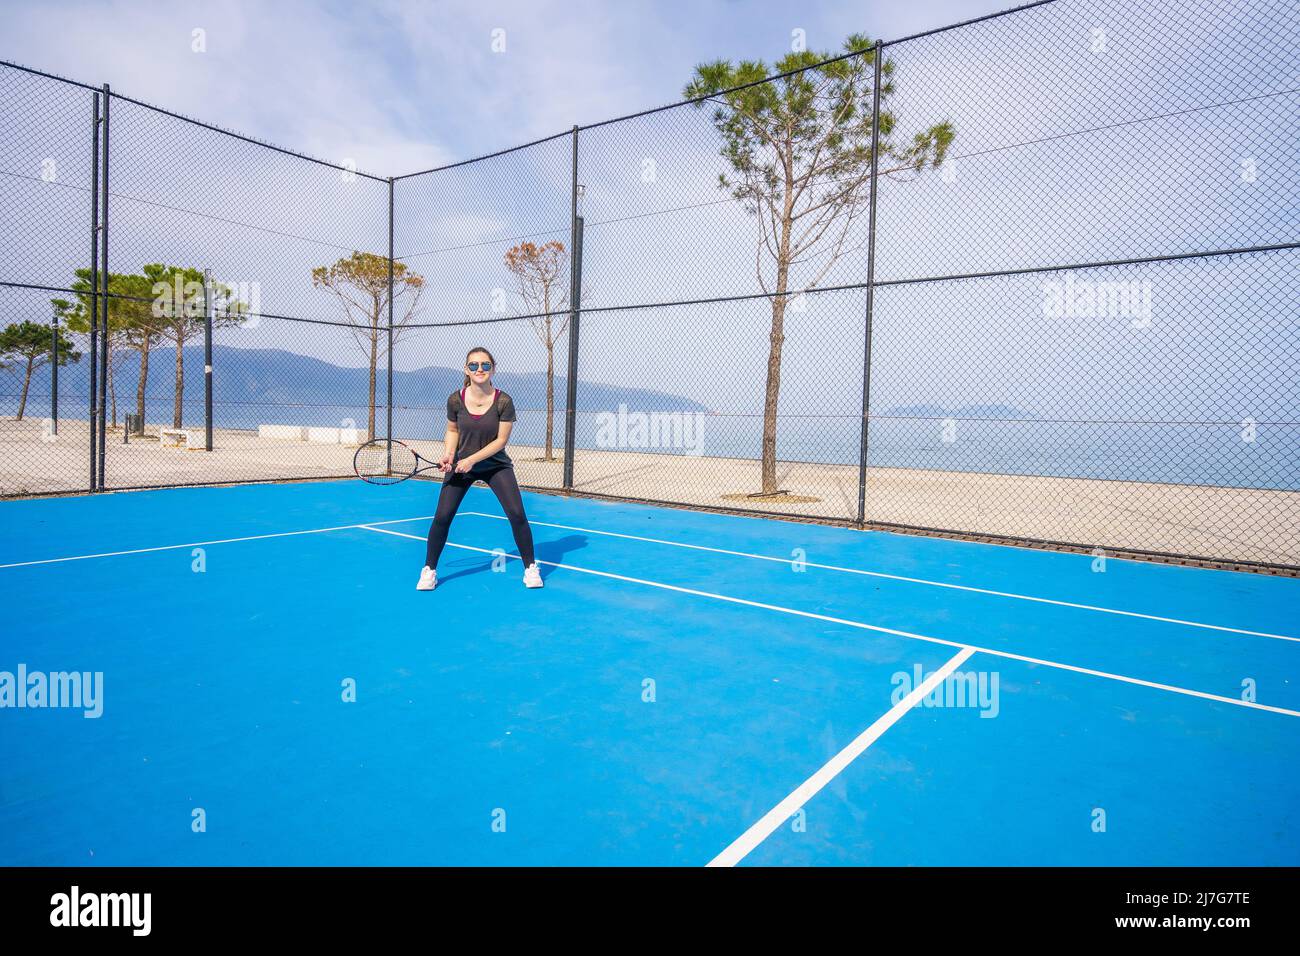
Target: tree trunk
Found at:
x=27, y=380
x=775, y=340
x=374, y=363
x=550, y=390
x=144, y=379
x=773, y=391
x=180, y=380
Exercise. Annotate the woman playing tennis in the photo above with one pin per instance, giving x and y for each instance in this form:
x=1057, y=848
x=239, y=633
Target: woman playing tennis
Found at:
x=479, y=420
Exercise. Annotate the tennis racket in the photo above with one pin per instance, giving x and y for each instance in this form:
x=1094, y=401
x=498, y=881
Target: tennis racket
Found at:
x=386, y=461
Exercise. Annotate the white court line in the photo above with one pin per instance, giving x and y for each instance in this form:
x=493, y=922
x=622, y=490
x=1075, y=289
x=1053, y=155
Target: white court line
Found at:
x=204, y=544
x=767, y=824
x=1252, y=705
x=899, y=577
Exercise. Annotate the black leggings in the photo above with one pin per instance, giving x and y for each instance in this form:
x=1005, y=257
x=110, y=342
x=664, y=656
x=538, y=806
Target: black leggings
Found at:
x=501, y=479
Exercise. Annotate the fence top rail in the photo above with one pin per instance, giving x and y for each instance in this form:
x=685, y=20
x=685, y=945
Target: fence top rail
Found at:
x=191, y=120
x=49, y=76
x=545, y=139
x=248, y=139
x=574, y=130
x=734, y=89
x=966, y=23
x=493, y=155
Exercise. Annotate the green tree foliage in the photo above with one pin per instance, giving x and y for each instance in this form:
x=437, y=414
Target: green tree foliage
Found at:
x=177, y=313
x=161, y=303
x=30, y=345
x=799, y=150
x=128, y=324
x=359, y=284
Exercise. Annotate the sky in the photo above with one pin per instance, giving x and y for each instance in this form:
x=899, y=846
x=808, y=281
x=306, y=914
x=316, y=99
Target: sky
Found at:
x=1087, y=131
x=399, y=86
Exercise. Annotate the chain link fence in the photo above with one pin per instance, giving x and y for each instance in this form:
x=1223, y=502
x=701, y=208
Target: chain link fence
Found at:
x=1029, y=278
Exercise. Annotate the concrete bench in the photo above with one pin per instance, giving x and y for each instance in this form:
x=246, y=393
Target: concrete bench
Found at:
x=336, y=436
x=188, y=438
x=313, y=435
x=285, y=432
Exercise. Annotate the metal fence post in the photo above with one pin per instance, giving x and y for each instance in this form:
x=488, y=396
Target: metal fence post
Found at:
x=389, y=432
x=54, y=375
x=871, y=289
x=103, y=266
x=575, y=291
x=94, y=288
x=207, y=360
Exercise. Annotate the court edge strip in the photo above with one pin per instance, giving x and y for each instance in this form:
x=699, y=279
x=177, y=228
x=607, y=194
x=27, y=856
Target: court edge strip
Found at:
x=1251, y=705
x=744, y=844
x=900, y=577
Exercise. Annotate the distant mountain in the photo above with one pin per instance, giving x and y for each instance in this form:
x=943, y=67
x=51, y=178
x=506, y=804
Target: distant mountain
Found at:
x=274, y=377
x=965, y=411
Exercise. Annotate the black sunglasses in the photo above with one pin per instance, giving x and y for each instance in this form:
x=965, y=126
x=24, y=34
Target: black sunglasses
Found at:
x=475, y=366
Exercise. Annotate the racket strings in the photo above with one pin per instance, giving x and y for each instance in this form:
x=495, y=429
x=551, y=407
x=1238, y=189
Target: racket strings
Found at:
x=382, y=461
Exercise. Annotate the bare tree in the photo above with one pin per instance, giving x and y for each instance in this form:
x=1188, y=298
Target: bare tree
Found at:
x=538, y=271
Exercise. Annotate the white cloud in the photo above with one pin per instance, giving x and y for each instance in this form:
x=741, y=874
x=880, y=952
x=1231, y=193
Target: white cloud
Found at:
x=399, y=86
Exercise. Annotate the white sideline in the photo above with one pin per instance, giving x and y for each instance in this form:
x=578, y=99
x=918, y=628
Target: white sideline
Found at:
x=204, y=544
x=900, y=577
x=767, y=824
x=1252, y=705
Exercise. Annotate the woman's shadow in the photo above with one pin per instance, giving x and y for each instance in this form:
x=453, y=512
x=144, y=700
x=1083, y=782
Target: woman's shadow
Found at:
x=548, y=553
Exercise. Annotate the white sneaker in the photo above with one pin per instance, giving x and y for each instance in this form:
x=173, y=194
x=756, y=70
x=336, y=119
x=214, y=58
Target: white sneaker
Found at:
x=532, y=576
x=428, y=580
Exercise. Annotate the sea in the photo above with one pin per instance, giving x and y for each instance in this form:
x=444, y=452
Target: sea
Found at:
x=1226, y=454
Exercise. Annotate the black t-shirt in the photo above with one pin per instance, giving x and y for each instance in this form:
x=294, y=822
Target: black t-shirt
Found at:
x=479, y=431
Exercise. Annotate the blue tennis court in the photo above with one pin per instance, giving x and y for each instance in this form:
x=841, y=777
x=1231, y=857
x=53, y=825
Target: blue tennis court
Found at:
x=688, y=688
